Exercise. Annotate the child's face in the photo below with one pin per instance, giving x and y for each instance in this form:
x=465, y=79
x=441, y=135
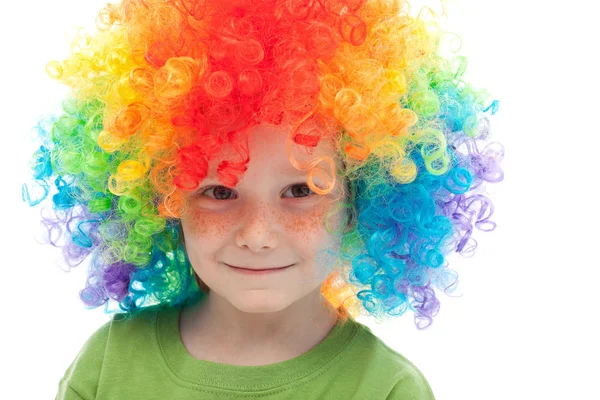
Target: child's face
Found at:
x=267, y=221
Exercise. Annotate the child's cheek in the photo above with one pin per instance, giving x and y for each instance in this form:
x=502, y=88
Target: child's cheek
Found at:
x=212, y=224
x=306, y=226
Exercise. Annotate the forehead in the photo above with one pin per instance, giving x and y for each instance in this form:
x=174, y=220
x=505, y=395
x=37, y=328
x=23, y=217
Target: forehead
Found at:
x=268, y=149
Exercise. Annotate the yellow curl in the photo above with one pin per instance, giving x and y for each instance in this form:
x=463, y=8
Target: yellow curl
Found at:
x=176, y=78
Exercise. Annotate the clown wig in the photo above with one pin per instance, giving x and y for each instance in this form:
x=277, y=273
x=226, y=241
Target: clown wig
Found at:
x=165, y=85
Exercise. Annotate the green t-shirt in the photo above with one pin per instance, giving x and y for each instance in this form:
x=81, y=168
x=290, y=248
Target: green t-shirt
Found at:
x=144, y=358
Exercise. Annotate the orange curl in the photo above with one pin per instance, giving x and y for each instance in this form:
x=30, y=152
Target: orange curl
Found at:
x=176, y=78
x=346, y=100
x=158, y=139
x=159, y=52
x=161, y=178
x=367, y=77
x=128, y=120
x=322, y=175
x=172, y=205
x=142, y=81
x=167, y=23
x=359, y=153
x=340, y=295
x=352, y=29
x=331, y=85
x=396, y=120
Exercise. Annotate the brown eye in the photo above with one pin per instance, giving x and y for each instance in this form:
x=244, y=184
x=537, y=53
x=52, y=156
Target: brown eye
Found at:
x=219, y=192
x=300, y=190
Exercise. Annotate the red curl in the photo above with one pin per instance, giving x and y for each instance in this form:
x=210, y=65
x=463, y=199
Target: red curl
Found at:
x=250, y=82
x=192, y=167
x=218, y=84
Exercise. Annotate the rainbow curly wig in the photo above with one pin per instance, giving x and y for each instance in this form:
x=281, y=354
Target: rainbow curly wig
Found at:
x=164, y=85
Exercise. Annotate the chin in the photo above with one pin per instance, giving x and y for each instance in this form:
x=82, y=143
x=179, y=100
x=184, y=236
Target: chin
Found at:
x=258, y=303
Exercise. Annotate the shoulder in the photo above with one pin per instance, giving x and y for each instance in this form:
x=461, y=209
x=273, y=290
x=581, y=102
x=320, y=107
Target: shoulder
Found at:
x=408, y=381
x=113, y=337
x=81, y=378
x=411, y=385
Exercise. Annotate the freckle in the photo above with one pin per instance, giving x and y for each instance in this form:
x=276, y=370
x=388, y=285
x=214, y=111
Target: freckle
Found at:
x=209, y=225
x=305, y=223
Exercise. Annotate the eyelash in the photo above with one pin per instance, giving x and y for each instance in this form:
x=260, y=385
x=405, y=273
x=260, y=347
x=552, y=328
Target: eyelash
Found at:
x=201, y=192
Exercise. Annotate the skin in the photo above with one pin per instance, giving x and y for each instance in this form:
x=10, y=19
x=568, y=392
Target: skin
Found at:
x=266, y=221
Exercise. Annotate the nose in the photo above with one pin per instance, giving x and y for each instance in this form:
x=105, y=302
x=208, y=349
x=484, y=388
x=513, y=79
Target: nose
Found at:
x=257, y=230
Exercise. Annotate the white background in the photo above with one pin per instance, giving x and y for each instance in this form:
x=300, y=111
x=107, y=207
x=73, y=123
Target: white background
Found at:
x=526, y=326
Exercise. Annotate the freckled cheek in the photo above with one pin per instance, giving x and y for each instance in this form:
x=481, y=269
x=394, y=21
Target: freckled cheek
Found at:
x=304, y=225
x=210, y=224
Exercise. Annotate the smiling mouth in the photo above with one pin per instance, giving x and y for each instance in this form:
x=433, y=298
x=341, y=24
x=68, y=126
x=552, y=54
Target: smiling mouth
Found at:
x=258, y=269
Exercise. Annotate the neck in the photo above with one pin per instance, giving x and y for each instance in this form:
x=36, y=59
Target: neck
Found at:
x=285, y=334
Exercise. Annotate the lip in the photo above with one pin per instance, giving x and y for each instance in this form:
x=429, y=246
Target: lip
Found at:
x=248, y=271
